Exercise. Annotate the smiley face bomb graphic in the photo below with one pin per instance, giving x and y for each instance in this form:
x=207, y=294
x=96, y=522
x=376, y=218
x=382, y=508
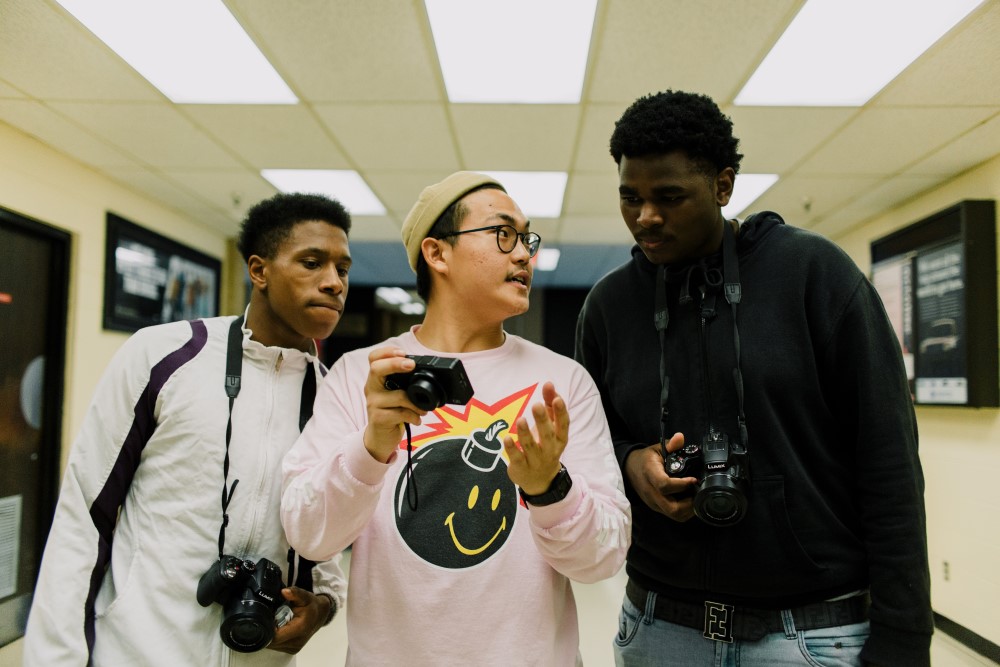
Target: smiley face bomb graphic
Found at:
x=467, y=503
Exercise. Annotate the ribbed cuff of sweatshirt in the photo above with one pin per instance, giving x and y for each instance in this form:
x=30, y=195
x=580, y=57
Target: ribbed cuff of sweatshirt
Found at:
x=364, y=467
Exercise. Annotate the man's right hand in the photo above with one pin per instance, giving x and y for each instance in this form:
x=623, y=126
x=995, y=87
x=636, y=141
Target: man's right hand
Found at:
x=388, y=409
x=644, y=468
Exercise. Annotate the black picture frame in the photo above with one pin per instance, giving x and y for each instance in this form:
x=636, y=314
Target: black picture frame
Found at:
x=151, y=279
x=938, y=280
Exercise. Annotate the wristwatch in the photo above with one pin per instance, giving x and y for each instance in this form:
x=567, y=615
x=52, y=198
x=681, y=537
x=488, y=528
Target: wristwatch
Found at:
x=558, y=489
x=333, y=607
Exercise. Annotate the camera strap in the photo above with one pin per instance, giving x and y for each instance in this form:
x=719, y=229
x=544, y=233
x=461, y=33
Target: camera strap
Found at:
x=733, y=292
x=234, y=364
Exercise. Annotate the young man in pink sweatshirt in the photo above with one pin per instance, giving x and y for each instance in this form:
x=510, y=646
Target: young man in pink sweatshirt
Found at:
x=468, y=519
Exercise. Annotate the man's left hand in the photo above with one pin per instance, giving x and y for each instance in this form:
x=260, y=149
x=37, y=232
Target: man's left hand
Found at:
x=534, y=458
x=309, y=612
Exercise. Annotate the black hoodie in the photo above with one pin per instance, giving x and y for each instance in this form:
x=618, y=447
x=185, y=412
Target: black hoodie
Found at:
x=835, y=501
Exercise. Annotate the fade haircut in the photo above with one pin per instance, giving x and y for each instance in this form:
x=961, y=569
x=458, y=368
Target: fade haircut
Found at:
x=269, y=223
x=677, y=121
x=446, y=223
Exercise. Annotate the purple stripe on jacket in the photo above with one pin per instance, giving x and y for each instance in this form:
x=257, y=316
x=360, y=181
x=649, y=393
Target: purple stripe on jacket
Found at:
x=104, y=511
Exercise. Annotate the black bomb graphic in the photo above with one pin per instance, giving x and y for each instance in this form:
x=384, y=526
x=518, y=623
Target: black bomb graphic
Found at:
x=467, y=503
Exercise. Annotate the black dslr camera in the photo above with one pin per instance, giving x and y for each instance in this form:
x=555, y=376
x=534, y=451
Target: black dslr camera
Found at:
x=434, y=382
x=723, y=478
x=250, y=595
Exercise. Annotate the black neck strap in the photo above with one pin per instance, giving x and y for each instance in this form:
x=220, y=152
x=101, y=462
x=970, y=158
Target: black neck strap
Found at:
x=234, y=365
x=661, y=318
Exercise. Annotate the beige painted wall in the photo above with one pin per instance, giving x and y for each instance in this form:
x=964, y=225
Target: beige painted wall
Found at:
x=42, y=184
x=959, y=450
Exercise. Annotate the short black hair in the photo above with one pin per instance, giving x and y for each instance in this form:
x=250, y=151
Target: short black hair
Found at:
x=674, y=120
x=447, y=222
x=269, y=222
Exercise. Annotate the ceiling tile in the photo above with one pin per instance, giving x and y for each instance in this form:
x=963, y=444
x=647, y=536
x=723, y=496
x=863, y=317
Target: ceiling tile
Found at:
x=9, y=92
x=158, y=135
x=516, y=137
x=802, y=200
x=962, y=69
x=173, y=196
x=55, y=130
x=231, y=192
x=881, y=140
x=270, y=137
x=375, y=228
x=972, y=148
x=775, y=139
x=371, y=51
x=49, y=55
x=590, y=193
x=873, y=203
x=392, y=136
x=596, y=126
x=399, y=190
x=709, y=47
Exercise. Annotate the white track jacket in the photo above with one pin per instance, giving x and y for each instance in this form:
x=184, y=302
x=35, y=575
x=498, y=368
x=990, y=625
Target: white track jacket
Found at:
x=138, y=517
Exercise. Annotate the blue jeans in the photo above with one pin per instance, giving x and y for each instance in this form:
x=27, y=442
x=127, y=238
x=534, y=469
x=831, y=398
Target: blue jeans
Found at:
x=645, y=641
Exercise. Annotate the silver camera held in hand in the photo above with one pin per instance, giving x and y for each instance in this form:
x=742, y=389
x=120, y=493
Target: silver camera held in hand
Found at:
x=250, y=595
x=723, y=476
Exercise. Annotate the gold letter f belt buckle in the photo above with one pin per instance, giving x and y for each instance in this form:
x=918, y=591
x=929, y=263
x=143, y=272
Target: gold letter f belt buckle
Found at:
x=718, y=622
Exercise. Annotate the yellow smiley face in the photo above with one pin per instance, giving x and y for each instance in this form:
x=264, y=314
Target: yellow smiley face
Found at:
x=473, y=499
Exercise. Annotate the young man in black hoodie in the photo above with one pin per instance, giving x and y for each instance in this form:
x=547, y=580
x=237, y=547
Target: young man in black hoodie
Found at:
x=760, y=412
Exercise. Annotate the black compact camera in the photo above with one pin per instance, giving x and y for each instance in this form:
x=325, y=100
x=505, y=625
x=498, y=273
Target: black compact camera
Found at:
x=250, y=595
x=434, y=382
x=723, y=477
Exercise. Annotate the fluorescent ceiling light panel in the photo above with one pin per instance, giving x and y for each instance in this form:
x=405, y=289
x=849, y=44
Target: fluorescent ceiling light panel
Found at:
x=193, y=51
x=539, y=194
x=514, y=52
x=843, y=52
x=547, y=259
x=748, y=188
x=345, y=186
x=393, y=295
x=412, y=308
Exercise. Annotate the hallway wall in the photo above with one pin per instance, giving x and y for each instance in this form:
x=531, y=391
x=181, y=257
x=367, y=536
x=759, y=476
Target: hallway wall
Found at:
x=39, y=183
x=959, y=449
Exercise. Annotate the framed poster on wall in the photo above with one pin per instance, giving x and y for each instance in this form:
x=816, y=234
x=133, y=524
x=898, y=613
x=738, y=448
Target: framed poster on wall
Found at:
x=938, y=281
x=150, y=279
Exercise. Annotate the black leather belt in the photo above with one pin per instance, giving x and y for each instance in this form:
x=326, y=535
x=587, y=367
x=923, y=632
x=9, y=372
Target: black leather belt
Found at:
x=724, y=622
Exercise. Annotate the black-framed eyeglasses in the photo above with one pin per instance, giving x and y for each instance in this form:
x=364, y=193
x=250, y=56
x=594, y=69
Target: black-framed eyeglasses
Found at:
x=507, y=238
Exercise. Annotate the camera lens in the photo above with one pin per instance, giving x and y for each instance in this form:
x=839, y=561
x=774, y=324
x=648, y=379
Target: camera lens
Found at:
x=719, y=502
x=424, y=392
x=719, y=506
x=248, y=625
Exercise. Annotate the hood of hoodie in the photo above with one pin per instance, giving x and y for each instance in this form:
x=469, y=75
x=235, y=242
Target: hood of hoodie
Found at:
x=707, y=270
x=753, y=229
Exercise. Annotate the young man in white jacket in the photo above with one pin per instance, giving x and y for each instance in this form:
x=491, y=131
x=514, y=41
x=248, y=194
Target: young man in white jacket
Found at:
x=133, y=571
x=469, y=520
